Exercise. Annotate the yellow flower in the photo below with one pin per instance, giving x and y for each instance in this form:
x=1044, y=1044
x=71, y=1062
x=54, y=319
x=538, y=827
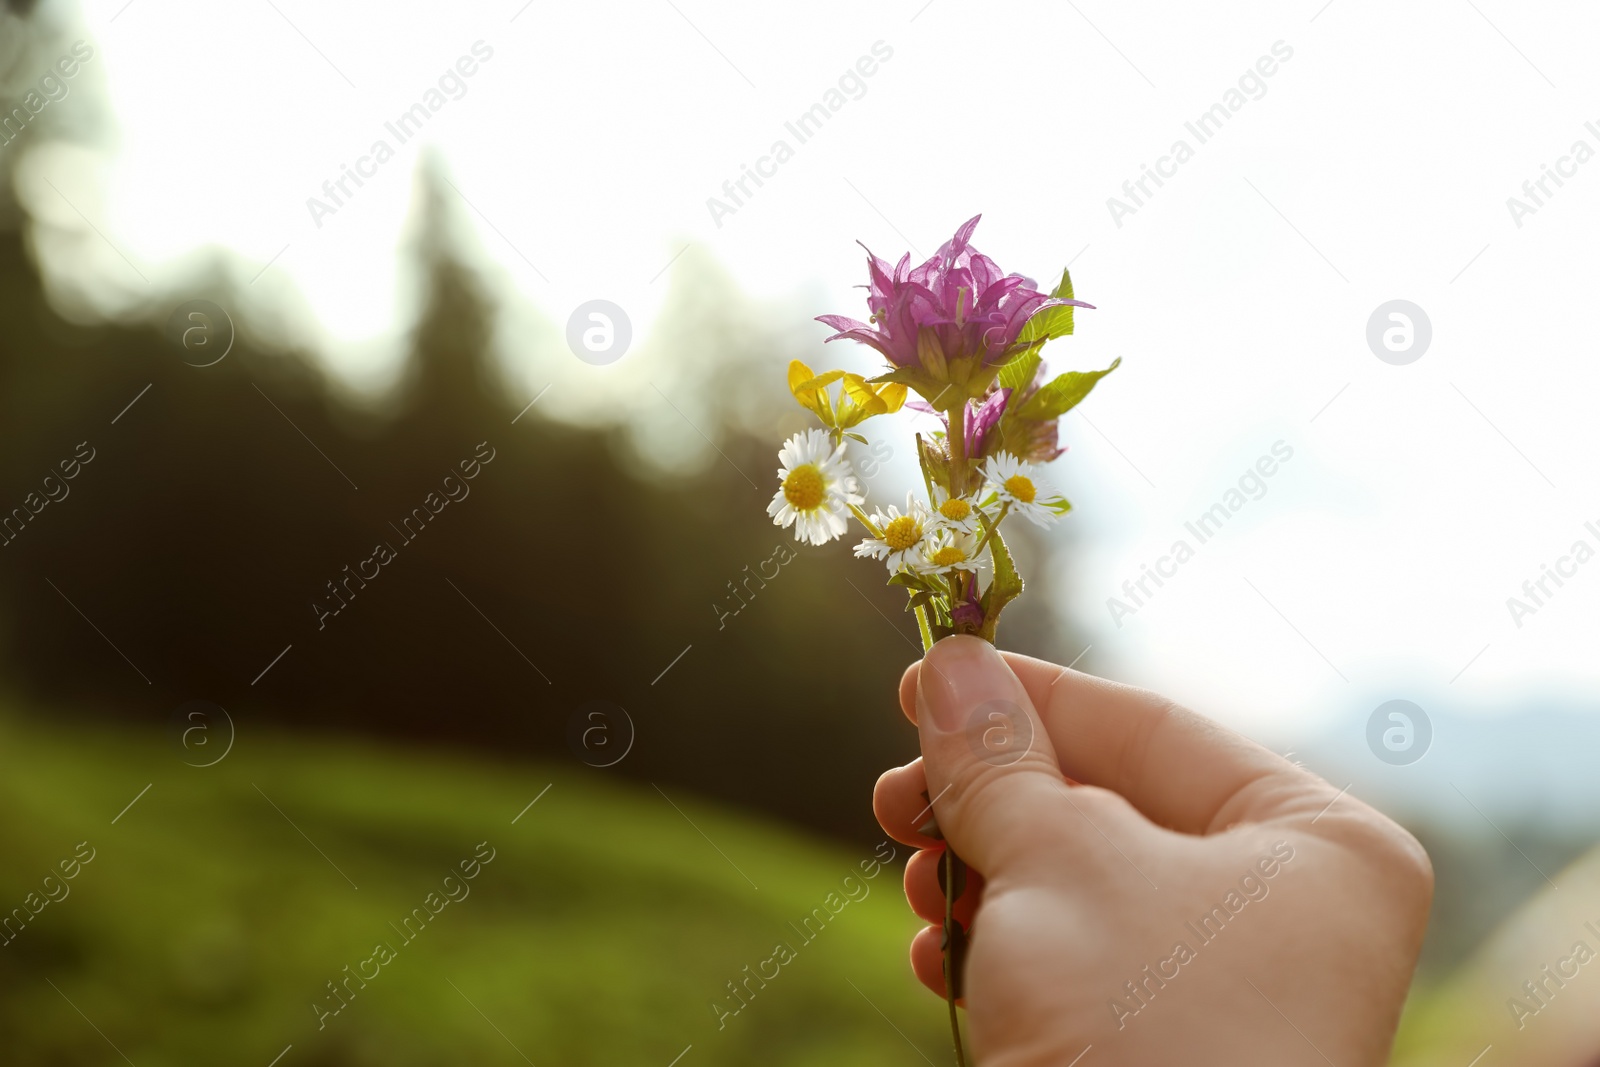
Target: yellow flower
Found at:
x=858, y=399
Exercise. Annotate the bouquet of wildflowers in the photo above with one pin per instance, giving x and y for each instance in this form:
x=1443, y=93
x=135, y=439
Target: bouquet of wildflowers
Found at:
x=966, y=339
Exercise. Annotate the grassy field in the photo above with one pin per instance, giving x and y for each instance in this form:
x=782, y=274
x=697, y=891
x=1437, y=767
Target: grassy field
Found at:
x=211, y=915
x=217, y=908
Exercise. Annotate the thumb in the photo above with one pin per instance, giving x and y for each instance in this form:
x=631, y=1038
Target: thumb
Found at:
x=993, y=779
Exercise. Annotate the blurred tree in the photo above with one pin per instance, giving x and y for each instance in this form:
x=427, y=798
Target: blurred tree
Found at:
x=244, y=534
x=222, y=507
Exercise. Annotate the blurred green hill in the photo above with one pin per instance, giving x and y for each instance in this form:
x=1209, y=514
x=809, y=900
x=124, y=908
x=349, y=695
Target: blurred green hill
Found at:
x=220, y=903
x=214, y=911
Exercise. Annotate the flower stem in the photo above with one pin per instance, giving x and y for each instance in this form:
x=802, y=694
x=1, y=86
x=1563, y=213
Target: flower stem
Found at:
x=957, y=438
x=861, y=517
x=989, y=531
x=950, y=961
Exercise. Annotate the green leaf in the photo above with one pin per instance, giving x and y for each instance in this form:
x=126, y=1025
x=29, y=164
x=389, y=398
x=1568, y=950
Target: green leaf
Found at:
x=1064, y=287
x=856, y=437
x=1006, y=587
x=1062, y=394
x=906, y=580
x=1051, y=322
x=1018, y=374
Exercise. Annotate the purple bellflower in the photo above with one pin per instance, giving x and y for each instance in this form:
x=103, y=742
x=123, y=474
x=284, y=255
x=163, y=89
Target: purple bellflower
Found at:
x=956, y=319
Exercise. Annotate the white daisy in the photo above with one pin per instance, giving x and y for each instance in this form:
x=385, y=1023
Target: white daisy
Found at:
x=958, y=513
x=816, y=485
x=946, y=550
x=1018, y=484
x=903, y=535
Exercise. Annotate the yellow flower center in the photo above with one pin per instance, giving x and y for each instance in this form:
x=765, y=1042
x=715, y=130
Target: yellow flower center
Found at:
x=803, y=488
x=900, y=534
x=948, y=556
x=955, y=509
x=1021, y=488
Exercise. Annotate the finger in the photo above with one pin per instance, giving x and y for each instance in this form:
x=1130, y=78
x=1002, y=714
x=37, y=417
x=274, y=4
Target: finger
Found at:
x=925, y=889
x=908, y=691
x=927, y=959
x=900, y=801
x=1180, y=769
x=992, y=773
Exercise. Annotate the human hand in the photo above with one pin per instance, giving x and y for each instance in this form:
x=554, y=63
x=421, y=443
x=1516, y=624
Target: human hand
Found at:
x=1196, y=899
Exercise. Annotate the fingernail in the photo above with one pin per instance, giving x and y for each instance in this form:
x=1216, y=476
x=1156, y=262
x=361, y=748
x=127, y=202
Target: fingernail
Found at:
x=958, y=674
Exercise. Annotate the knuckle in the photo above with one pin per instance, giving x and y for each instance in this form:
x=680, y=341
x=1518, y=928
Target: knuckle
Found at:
x=1392, y=853
x=1408, y=862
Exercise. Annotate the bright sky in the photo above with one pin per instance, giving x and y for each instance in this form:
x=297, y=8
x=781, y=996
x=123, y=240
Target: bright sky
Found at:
x=1373, y=164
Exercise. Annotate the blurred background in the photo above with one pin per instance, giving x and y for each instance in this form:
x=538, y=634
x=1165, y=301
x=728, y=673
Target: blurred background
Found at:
x=244, y=348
